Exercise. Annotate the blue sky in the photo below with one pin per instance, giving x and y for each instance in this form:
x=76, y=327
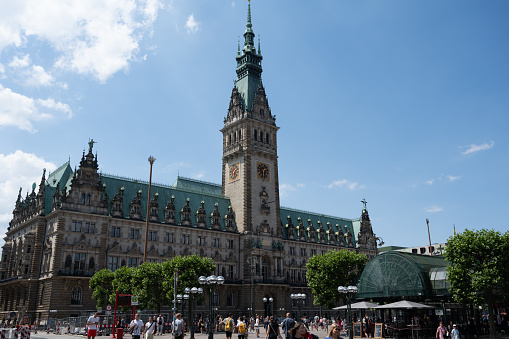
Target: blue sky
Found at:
x=403, y=103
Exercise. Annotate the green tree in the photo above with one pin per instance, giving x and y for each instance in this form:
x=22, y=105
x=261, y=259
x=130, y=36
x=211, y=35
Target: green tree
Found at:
x=123, y=282
x=335, y=268
x=101, y=284
x=478, y=268
x=189, y=267
x=149, y=287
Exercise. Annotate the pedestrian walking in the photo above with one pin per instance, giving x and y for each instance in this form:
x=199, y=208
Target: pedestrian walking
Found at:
x=150, y=328
x=92, y=323
x=178, y=327
x=136, y=327
x=287, y=324
x=160, y=324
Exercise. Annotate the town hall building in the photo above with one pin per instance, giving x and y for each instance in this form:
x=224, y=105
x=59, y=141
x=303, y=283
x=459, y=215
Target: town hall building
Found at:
x=78, y=221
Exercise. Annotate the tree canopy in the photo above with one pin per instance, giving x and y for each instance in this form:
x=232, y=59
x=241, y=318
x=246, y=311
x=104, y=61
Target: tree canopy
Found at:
x=151, y=282
x=478, y=271
x=328, y=271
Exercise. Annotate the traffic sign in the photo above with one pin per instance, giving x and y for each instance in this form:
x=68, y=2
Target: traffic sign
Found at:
x=108, y=307
x=134, y=300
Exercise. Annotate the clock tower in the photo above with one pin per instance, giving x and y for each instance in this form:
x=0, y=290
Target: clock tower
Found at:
x=250, y=169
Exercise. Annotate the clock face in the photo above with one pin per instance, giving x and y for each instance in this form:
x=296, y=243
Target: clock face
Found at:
x=234, y=172
x=262, y=171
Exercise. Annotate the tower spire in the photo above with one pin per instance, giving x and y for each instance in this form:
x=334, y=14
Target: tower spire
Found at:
x=249, y=66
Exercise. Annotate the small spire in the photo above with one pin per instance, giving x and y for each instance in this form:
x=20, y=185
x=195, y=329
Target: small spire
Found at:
x=238, y=46
x=248, y=24
x=259, y=49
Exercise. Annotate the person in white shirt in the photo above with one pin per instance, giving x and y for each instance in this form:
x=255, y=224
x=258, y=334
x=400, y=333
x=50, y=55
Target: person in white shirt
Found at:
x=150, y=328
x=136, y=326
x=160, y=324
x=92, y=325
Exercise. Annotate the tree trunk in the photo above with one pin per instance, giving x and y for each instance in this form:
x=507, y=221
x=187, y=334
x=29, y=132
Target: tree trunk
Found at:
x=491, y=314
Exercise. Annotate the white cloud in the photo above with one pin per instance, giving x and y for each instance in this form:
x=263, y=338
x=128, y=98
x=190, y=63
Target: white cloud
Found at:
x=37, y=77
x=453, y=178
x=352, y=186
x=18, y=169
x=20, y=62
x=434, y=209
x=476, y=148
x=285, y=189
x=21, y=111
x=96, y=38
x=191, y=24
x=430, y=182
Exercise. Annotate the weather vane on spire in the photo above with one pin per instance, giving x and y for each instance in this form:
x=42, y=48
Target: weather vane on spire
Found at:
x=364, y=202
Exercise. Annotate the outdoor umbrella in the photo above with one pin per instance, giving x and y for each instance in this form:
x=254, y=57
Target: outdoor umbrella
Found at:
x=358, y=306
x=404, y=304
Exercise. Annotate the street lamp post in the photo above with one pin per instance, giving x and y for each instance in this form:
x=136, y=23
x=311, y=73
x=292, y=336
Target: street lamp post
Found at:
x=211, y=282
x=298, y=297
x=192, y=294
x=349, y=292
x=268, y=304
x=151, y=160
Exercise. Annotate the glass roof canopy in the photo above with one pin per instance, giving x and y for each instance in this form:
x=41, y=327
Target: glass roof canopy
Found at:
x=403, y=275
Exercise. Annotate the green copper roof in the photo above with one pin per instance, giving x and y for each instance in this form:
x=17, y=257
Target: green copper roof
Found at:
x=197, y=186
x=249, y=66
x=347, y=224
x=183, y=188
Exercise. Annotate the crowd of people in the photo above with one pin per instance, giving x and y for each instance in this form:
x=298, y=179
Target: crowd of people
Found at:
x=274, y=328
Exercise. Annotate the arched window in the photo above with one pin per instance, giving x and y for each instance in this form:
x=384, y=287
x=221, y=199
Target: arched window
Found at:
x=91, y=263
x=240, y=134
x=261, y=136
x=229, y=139
x=256, y=135
x=235, y=137
x=41, y=299
x=76, y=295
x=68, y=262
x=267, y=138
x=229, y=299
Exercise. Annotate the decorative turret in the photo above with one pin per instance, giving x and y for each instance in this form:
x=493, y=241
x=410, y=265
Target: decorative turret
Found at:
x=365, y=236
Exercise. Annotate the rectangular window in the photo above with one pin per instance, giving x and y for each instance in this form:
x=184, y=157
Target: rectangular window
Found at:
x=92, y=227
x=302, y=252
x=293, y=275
x=135, y=233
x=201, y=240
x=229, y=243
x=79, y=261
x=78, y=226
x=152, y=235
x=87, y=227
x=292, y=250
x=216, y=242
x=132, y=262
x=168, y=237
x=73, y=226
x=115, y=231
x=230, y=271
x=185, y=239
x=112, y=263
